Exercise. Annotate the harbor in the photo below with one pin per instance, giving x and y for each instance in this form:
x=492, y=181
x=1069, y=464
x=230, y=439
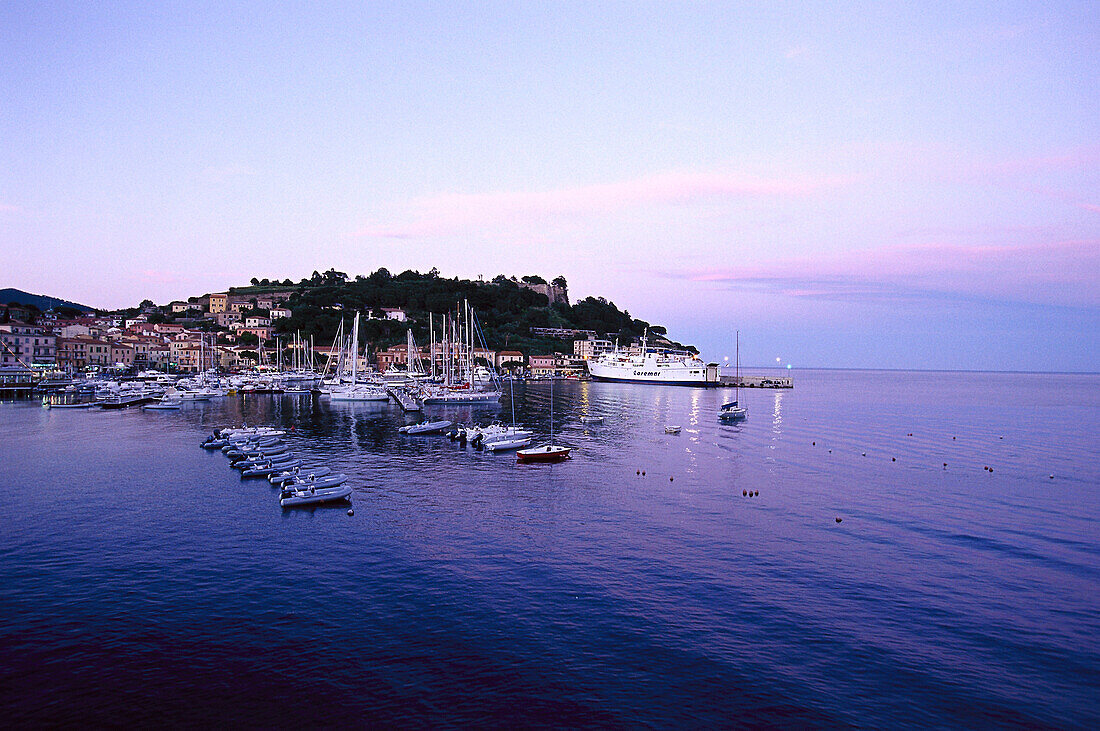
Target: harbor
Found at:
x=589, y=566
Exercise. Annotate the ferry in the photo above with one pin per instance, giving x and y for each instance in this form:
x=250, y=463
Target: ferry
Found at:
x=654, y=365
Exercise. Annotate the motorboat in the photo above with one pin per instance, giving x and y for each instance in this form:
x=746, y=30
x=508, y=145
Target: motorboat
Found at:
x=509, y=443
x=485, y=434
x=257, y=454
x=264, y=471
x=122, y=402
x=248, y=431
x=247, y=462
x=358, y=392
x=315, y=496
x=673, y=429
x=305, y=473
x=591, y=419
x=163, y=405
x=426, y=427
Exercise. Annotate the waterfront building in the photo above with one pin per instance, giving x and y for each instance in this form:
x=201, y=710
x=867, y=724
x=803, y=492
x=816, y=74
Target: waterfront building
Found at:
x=122, y=354
x=509, y=356
x=26, y=345
x=278, y=312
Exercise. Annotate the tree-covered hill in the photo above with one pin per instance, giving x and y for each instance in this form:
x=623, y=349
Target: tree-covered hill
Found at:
x=505, y=310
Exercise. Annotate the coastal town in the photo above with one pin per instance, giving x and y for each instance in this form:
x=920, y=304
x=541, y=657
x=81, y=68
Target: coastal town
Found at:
x=242, y=337
x=238, y=332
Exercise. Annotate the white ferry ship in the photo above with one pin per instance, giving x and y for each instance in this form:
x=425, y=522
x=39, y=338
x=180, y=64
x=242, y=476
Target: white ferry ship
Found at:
x=654, y=365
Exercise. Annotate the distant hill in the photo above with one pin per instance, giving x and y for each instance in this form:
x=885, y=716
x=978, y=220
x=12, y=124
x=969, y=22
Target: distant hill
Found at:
x=41, y=301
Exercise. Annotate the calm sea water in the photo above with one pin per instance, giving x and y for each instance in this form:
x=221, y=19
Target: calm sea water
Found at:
x=145, y=582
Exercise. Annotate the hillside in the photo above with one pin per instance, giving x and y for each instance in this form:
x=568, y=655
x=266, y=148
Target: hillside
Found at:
x=41, y=301
x=506, y=311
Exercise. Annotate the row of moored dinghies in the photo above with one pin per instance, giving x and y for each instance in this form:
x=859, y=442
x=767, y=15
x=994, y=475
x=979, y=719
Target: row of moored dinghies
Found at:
x=262, y=452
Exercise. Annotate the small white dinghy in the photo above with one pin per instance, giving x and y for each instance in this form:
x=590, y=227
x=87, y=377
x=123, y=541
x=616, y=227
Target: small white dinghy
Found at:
x=165, y=405
x=426, y=427
x=591, y=419
x=317, y=491
x=673, y=429
x=503, y=445
x=303, y=472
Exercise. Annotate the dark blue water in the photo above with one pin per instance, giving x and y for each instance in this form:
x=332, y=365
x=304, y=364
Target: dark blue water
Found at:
x=144, y=582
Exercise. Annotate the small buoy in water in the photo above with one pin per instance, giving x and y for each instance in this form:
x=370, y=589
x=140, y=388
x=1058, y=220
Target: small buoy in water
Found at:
x=830, y=451
x=838, y=519
x=643, y=473
x=670, y=479
x=990, y=469
x=893, y=459
x=952, y=437
x=637, y=472
x=945, y=465
x=744, y=493
x=1002, y=437
x=757, y=493
x=814, y=443
x=864, y=454
x=351, y=512
x=1052, y=477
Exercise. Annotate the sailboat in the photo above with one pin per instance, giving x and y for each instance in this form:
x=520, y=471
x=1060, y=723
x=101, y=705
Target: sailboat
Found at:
x=733, y=411
x=547, y=452
x=356, y=391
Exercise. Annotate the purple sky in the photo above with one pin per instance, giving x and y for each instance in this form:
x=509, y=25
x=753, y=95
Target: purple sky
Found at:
x=877, y=184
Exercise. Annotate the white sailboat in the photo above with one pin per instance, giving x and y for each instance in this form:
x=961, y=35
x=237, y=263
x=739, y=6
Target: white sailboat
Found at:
x=463, y=381
x=546, y=452
x=733, y=411
x=355, y=391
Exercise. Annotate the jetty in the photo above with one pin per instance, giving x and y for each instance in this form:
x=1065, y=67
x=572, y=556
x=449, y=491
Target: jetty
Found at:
x=404, y=398
x=756, y=382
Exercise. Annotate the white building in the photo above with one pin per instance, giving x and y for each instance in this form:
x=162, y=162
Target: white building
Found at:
x=277, y=312
x=257, y=322
x=394, y=313
x=590, y=348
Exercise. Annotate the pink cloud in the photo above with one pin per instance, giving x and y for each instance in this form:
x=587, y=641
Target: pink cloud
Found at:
x=451, y=213
x=1059, y=273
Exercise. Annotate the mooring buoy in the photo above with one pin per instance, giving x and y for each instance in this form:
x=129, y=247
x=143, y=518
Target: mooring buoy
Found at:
x=351, y=512
x=838, y=518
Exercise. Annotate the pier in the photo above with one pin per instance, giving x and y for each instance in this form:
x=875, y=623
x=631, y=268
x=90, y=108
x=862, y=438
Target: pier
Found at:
x=404, y=398
x=757, y=382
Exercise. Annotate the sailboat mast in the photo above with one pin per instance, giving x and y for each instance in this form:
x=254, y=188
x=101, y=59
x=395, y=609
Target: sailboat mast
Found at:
x=355, y=351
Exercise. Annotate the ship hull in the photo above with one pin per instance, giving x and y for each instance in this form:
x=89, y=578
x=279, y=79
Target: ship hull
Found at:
x=656, y=381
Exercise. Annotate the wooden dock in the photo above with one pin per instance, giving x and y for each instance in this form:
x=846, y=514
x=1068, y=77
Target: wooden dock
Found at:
x=404, y=398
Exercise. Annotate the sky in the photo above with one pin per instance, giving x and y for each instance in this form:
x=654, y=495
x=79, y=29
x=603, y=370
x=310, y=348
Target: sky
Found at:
x=880, y=185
